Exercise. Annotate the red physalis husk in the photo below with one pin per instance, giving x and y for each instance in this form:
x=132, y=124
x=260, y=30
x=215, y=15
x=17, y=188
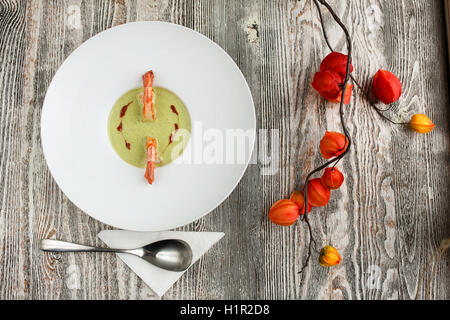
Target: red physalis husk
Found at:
x=284, y=213
x=329, y=81
x=336, y=62
x=333, y=144
x=298, y=198
x=327, y=84
x=332, y=178
x=318, y=194
x=347, y=97
x=386, y=87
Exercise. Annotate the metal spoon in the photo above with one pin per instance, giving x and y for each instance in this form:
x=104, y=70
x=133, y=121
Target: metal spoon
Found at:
x=172, y=255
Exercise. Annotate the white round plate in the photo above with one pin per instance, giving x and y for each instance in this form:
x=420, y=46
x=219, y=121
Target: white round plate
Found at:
x=82, y=93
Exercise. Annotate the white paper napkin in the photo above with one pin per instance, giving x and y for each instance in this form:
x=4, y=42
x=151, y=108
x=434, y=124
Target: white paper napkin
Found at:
x=157, y=279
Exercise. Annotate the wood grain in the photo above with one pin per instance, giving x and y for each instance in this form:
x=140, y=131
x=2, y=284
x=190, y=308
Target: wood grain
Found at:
x=447, y=20
x=387, y=219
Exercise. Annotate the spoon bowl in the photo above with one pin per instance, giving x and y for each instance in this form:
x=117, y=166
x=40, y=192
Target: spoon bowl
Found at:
x=174, y=255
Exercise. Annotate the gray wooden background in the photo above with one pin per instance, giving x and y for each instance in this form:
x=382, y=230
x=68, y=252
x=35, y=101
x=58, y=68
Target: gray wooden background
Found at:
x=387, y=219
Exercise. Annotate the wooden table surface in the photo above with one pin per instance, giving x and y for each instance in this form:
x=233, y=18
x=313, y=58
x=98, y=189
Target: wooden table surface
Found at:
x=388, y=218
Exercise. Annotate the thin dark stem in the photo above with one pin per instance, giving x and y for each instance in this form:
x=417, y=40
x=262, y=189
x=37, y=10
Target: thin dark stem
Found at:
x=365, y=92
x=336, y=163
x=378, y=110
x=325, y=36
x=380, y=113
x=311, y=241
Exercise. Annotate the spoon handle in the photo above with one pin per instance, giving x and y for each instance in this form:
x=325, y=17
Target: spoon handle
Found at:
x=62, y=246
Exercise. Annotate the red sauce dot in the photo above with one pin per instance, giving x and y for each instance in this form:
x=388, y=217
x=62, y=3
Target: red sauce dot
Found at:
x=174, y=110
x=124, y=109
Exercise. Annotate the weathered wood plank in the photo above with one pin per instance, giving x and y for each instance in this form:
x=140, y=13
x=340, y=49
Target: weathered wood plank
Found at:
x=386, y=220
